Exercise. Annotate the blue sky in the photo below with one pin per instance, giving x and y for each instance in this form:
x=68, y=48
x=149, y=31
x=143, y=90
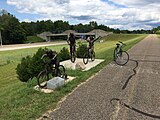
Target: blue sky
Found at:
x=13, y=10
x=123, y=14
x=114, y=4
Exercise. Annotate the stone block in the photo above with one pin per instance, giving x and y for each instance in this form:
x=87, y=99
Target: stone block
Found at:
x=80, y=66
x=55, y=83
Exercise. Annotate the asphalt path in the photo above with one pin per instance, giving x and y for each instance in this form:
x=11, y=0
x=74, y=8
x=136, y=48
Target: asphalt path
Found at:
x=131, y=92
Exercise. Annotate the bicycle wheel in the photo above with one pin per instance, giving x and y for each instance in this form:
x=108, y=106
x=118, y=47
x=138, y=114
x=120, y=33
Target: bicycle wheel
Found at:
x=93, y=56
x=61, y=71
x=42, y=79
x=85, y=58
x=122, y=58
x=73, y=57
x=115, y=54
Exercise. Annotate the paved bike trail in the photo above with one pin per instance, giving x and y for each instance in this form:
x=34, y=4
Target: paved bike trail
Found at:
x=119, y=93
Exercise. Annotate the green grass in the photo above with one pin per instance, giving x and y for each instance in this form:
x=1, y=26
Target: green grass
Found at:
x=19, y=100
x=33, y=39
x=110, y=43
x=16, y=55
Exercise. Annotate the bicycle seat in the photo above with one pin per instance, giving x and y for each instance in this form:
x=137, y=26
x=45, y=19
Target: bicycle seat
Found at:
x=118, y=44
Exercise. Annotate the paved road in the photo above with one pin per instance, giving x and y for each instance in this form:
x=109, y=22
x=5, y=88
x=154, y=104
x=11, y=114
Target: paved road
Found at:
x=117, y=93
x=33, y=45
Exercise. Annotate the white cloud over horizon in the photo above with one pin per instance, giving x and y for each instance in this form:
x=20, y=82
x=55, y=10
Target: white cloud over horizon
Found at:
x=123, y=14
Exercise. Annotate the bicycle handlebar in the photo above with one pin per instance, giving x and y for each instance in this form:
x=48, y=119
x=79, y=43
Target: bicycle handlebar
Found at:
x=46, y=55
x=43, y=56
x=122, y=43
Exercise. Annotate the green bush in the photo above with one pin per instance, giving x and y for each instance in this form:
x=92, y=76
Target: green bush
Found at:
x=79, y=43
x=37, y=63
x=30, y=66
x=64, y=54
x=23, y=69
x=81, y=50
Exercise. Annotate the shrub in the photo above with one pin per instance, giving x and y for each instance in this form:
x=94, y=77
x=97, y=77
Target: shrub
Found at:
x=30, y=66
x=79, y=43
x=37, y=63
x=64, y=54
x=81, y=50
x=23, y=69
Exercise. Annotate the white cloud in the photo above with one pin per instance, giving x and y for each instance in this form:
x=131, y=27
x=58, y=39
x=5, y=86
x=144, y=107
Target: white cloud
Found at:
x=136, y=3
x=136, y=15
x=26, y=20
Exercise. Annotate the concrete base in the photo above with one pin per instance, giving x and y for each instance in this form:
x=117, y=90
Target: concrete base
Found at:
x=69, y=78
x=46, y=90
x=91, y=64
x=55, y=83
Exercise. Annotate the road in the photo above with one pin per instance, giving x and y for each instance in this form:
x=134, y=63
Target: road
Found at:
x=131, y=92
x=33, y=45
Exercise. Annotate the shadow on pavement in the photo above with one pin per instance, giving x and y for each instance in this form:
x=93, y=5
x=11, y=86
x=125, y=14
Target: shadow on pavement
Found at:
x=134, y=70
x=134, y=109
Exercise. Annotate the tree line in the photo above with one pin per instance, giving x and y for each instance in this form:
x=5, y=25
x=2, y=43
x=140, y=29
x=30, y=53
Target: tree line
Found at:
x=14, y=32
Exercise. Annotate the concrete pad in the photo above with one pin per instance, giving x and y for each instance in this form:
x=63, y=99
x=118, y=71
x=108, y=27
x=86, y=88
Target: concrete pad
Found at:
x=69, y=78
x=91, y=64
x=44, y=90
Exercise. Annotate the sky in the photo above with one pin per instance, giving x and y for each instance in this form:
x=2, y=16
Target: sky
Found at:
x=122, y=14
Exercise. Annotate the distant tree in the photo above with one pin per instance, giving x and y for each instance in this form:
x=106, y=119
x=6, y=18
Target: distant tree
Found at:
x=12, y=30
x=60, y=26
x=117, y=31
x=79, y=28
x=125, y=31
x=83, y=28
x=29, y=27
x=156, y=30
x=93, y=24
x=1, y=28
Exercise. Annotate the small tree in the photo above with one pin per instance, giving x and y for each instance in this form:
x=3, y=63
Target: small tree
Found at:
x=37, y=63
x=24, y=69
x=30, y=67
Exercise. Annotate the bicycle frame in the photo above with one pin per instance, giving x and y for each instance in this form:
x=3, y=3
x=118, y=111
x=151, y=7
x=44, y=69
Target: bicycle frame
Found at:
x=89, y=54
x=51, y=69
x=73, y=53
x=90, y=51
x=73, y=49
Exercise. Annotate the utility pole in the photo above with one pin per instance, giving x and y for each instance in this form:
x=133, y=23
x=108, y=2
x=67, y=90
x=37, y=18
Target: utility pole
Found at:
x=0, y=38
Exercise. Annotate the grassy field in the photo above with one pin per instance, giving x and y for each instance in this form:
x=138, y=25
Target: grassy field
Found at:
x=33, y=39
x=19, y=100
